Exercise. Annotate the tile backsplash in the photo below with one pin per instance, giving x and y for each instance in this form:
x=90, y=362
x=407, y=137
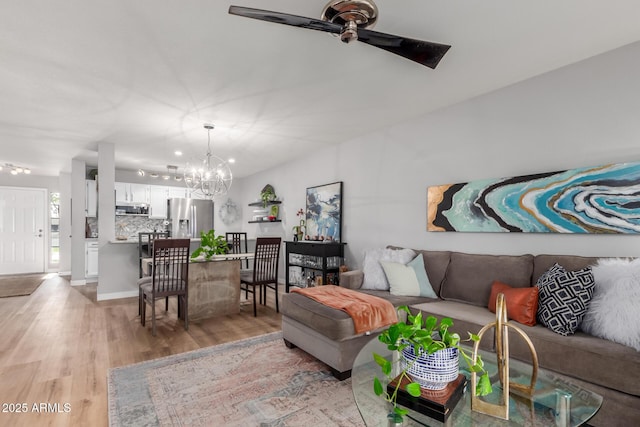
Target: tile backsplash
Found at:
x=130, y=225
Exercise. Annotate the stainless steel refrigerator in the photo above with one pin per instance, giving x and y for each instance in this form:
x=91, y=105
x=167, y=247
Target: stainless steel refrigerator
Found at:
x=188, y=217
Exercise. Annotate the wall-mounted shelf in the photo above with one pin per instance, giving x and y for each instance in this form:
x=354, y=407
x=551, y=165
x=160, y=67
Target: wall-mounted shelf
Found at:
x=275, y=202
x=266, y=210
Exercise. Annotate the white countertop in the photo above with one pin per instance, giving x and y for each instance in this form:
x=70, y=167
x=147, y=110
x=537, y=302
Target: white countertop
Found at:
x=135, y=240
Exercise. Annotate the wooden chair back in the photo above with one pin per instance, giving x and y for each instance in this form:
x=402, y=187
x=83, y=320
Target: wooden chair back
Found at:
x=265, y=263
x=170, y=267
x=145, y=246
x=238, y=244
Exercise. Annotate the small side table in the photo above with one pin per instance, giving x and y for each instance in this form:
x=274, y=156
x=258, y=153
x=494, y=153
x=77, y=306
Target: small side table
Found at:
x=316, y=257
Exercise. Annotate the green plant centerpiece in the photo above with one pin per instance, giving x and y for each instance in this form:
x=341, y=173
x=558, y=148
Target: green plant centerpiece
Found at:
x=425, y=336
x=211, y=245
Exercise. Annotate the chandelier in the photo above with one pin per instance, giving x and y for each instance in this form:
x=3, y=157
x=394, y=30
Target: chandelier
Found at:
x=209, y=177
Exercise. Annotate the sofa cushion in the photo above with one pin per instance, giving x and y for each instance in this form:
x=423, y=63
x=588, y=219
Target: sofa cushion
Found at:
x=408, y=280
x=397, y=300
x=436, y=263
x=469, y=277
x=542, y=263
x=564, y=298
x=374, y=277
x=334, y=324
x=522, y=303
x=613, y=313
x=330, y=322
x=582, y=356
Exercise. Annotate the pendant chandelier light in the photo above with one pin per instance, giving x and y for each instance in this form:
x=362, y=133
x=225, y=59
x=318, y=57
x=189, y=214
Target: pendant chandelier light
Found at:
x=209, y=177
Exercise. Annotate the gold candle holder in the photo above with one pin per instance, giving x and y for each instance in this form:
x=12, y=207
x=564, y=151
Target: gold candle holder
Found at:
x=501, y=325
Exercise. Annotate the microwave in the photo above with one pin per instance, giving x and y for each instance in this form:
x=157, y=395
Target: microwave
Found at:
x=132, y=210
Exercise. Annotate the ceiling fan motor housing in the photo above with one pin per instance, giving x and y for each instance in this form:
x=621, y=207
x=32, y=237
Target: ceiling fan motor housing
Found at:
x=351, y=14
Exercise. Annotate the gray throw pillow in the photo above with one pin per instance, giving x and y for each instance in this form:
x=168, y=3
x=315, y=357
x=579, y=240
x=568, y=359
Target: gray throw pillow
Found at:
x=374, y=277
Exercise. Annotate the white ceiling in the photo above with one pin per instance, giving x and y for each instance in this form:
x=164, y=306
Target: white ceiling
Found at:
x=146, y=74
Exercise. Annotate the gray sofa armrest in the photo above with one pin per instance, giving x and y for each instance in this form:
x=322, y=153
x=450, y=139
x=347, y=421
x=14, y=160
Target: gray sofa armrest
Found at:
x=352, y=279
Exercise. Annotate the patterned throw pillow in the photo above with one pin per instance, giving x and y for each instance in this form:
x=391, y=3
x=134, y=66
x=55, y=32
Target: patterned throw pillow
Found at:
x=564, y=297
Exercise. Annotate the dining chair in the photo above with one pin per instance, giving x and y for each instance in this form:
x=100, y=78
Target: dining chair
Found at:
x=265, y=271
x=238, y=244
x=145, y=246
x=169, y=277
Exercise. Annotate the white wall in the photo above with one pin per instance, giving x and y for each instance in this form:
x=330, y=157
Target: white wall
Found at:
x=585, y=114
x=77, y=222
x=65, y=222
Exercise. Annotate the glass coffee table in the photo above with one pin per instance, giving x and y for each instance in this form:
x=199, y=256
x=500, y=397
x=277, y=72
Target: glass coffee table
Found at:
x=556, y=401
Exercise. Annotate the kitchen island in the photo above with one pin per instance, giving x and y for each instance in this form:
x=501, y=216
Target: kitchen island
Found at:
x=214, y=285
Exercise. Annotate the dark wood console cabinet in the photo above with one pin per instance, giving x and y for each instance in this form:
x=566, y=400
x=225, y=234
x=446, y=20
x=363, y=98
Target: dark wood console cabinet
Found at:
x=314, y=258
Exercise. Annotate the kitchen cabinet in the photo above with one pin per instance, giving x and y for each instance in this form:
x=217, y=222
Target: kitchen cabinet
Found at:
x=91, y=198
x=158, y=195
x=177, y=192
x=131, y=193
x=139, y=193
x=91, y=259
x=122, y=193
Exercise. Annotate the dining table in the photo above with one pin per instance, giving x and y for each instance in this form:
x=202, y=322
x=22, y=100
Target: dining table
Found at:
x=214, y=284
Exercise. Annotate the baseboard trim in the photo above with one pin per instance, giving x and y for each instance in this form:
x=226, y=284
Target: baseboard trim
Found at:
x=81, y=282
x=116, y=295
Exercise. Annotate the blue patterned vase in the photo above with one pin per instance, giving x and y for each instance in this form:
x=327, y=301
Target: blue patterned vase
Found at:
x=431, y=371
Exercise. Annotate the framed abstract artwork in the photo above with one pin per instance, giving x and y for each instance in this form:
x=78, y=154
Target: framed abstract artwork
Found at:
x=324, y=212
x=601, y=199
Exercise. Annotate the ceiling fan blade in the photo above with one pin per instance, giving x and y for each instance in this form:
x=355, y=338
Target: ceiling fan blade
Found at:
x=425, y=53
x=285, y=18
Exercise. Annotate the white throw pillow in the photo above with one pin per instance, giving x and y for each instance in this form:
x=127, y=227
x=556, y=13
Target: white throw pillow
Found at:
x=374, y=277
x=613, y=313
x=408, y=280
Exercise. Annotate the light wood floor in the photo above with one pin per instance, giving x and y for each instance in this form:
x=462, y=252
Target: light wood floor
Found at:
x=57, y=344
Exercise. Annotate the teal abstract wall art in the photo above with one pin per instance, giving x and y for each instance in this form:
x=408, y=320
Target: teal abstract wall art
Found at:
x=602, y=199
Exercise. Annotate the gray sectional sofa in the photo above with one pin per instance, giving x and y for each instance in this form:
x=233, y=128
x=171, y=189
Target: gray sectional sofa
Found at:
x=463, y=283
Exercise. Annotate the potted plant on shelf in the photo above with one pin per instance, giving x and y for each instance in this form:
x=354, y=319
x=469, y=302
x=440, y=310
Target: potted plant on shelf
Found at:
x=415, y=341
x=267, y=195
x=211, y=245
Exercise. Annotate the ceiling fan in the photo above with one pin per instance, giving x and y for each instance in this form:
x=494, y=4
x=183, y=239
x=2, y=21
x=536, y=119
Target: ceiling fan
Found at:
x=351, y=20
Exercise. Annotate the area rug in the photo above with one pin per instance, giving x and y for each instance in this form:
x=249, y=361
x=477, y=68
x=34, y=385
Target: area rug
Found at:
x=13, y=286
x=253, y=382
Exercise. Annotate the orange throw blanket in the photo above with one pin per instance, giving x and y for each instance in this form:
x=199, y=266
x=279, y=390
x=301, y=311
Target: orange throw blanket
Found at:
x=368, y=312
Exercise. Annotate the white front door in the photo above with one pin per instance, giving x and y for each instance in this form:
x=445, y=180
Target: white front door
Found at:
x=22, y=230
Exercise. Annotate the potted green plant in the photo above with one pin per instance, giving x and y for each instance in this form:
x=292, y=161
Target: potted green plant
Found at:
x=267, y=195
x=298, y=230
x=422, y=337
x=211, y=245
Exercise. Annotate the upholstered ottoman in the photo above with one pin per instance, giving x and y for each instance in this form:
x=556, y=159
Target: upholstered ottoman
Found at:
x=327, y=333
x=324, y=332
